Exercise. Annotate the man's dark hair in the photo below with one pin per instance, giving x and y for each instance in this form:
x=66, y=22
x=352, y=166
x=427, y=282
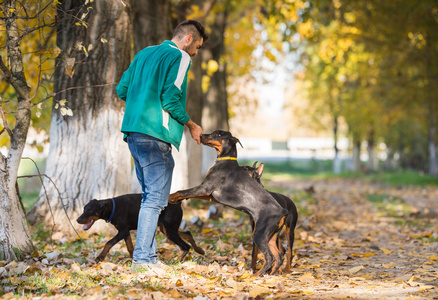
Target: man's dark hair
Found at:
x=192, y=27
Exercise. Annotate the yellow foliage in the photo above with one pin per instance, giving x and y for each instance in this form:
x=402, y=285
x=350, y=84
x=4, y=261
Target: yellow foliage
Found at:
x=212, y=67
x=196, y=12
x=306, y=29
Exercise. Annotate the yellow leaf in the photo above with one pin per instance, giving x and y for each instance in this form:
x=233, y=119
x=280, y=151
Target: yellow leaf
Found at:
x=179, y=283
x=175, y=294
x=433, y=257
x=244, y=276
x=308, y=292
x=356, y=269
x=258, y=291
x=306, y=276
x=389, y=265
x=368, y=254
x=386, y=251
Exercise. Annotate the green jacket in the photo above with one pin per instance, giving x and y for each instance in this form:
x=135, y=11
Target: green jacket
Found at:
x=155, y=90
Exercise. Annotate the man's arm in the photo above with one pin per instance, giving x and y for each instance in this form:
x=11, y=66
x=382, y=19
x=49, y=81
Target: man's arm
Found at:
x=122, y=87
x=195, y=130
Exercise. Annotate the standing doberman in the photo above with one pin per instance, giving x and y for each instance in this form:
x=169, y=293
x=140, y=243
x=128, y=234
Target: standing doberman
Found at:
x=122, y=212
x=228, y=184
x=290, y=222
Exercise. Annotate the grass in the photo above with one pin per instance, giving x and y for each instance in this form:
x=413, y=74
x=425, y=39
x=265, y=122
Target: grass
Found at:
x=322, y=169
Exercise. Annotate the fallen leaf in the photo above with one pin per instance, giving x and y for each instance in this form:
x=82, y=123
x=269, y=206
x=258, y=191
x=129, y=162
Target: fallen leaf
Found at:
x=355, y=269
x=386, y=251
x=389, y=265
x=306, y=277
x=258, y=291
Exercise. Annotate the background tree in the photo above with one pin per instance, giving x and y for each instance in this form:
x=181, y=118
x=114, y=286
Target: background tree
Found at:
x=385, y=73
x=88, y=158
x=21, y=23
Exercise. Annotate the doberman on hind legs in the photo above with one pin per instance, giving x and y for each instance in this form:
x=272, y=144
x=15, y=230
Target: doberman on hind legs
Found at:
x=290, y=222
x=228, y=184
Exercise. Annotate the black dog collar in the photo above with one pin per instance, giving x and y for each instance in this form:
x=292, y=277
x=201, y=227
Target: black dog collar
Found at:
x=112, y=213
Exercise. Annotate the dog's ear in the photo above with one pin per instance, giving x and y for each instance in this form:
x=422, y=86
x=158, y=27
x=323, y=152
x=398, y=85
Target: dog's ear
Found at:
x=260, y=170
x=236, y=140
x=255, y=164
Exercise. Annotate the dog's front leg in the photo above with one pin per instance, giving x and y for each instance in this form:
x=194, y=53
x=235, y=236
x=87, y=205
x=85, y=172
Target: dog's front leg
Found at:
x=119, y=236
x=198, y=192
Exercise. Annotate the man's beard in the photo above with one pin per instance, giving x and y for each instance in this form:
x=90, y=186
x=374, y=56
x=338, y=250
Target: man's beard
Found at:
x=186, y=49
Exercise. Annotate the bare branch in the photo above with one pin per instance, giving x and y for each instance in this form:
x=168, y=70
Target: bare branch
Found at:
x=33, y=17
x=9, y=79
x=5, y=122
x=47, y=197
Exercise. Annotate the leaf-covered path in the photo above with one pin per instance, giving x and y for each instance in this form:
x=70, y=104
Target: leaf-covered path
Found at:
x=355, y=240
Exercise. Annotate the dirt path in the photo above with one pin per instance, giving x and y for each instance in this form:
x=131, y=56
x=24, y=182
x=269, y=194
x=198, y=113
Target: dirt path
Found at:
x=354, y=247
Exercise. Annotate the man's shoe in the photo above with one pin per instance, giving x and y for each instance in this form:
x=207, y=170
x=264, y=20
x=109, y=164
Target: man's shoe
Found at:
x=150, y=269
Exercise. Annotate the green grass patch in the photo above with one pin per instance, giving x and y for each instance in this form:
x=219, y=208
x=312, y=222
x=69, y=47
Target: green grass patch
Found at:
x=389, y=205
x=322, y=169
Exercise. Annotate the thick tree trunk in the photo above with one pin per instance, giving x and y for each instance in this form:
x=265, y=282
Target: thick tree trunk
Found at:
x=215, y=108
x=15, y=241
x=88, y=158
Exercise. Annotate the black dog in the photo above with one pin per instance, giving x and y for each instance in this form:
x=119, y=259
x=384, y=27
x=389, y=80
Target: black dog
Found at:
x=290, y=222
x=228, y=184
x=123, y=211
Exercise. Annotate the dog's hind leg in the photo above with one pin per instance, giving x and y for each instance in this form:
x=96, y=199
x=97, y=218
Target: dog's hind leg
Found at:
x=255, y=250
x=187, y=236
x=129, y=245
x=273, y=246
x=261, y=241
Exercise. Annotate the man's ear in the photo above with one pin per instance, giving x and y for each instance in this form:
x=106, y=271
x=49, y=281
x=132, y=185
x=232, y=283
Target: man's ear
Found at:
x=188, y=39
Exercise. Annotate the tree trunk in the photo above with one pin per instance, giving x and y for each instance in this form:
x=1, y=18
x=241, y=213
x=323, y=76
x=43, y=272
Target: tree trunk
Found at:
x=372, y=160
x=15, y=241
x=433, y=162
x=215, y=108
x=356, y=164
x=152, y=23
x=88, y=158
x=336, y=160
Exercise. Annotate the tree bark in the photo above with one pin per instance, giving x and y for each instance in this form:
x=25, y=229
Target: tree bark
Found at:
x=356, y=163
x=433, y=162
x=372, y=159
x=88, y=158
x=215, y=107
x=336, y=160
x=15, y=241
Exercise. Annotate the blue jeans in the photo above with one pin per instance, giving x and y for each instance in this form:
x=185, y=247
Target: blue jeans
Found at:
x=154, y=166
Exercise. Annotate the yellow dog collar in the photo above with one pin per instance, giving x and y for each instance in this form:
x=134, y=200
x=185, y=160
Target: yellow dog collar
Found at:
x=226, y=158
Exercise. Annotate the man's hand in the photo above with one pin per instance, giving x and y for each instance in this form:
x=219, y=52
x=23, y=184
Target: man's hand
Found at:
x=195, y=131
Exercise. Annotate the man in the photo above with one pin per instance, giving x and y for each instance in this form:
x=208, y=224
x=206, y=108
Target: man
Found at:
x=155, y=88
